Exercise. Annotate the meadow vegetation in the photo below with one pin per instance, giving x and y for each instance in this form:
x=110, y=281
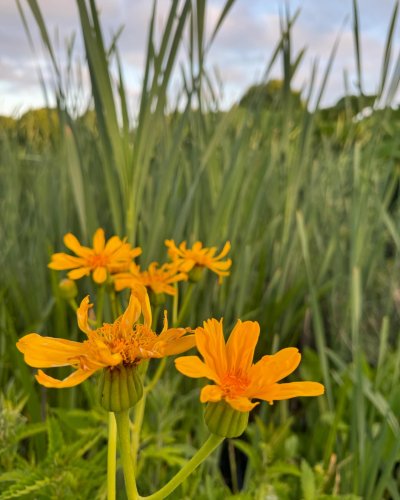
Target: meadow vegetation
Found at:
x=308, y=198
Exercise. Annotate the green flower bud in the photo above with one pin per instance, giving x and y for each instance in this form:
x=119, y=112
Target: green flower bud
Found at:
x=196, y=274
x=225, y=421
x=68, y=289
x=120, y=387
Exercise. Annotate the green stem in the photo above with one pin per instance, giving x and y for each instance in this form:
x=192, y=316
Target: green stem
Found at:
x=160, y=370
x=123, y=424
x=100, y=306
x=175, y=306
x=73, y=304
x=208, y=447
x=137, y=426
x=111, y=456
x=114, y=303
x=156, y=312
x=185, y=304
x=233, y=467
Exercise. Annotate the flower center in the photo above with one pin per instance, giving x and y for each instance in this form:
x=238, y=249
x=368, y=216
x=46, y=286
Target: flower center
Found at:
x=100, y=260
x=232, y=385
x=138, y=343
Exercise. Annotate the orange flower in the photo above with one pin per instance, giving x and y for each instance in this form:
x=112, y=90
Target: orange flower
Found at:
x=114, y=256
x=229, y=365
x=187, y=258
x=156, y=278
x=123, y=342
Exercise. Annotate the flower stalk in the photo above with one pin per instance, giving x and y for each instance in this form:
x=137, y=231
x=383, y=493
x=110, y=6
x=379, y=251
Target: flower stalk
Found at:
x=208, y=447
x=111, y=456
x=123, y=426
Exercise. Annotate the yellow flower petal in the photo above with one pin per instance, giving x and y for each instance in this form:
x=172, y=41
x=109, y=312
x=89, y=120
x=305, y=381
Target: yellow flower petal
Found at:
x=82, y=315
x=240, y=346
x=211, y=393
x=100, y=275
x=178, y=344
x=225, y=250
x=62, y=261
x=71, y=242
x=99, y=241
x=271, y=369
x=240, y=403
x=211, y=345
x=131, y=315
x=290, y=390
x=192, y=366
x=47, y=352
x=76, y=274
x=75, y=378
x=113, y=244
x=140, y=293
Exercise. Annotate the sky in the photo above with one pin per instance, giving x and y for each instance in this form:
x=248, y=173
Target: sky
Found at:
x=238, y=57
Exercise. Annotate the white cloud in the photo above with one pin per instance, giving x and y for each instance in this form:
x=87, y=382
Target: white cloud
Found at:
x=241, y=50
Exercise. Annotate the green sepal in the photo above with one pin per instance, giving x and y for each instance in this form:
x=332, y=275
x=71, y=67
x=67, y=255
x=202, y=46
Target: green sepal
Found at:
x=196, y=274
x=225, y=421
x=120, y=387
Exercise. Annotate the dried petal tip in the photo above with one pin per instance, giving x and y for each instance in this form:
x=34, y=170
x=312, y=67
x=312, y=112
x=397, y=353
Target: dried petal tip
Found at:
x=120, y=388
x=224, y=421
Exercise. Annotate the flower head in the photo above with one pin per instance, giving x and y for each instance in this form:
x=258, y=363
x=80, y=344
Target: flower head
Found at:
x=156, y=278
x=104, y=258
x=197, y=256
x=230, y=366
x=126, y=341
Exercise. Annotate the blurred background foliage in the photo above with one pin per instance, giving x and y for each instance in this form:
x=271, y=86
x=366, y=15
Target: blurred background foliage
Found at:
x=309, y=199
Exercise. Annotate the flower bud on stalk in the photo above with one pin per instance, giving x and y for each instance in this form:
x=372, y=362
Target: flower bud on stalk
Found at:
x=68, y=289
x=225, y=421
x=120, y=387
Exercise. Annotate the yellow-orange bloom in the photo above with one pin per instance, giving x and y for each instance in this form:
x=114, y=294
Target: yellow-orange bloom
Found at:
x=126, y=341
x=187, y=258
x=230, y=366
x=157, y=278
x=104, y=258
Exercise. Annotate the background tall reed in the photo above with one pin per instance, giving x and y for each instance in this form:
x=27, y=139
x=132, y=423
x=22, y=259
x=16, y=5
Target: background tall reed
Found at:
x=309, y=200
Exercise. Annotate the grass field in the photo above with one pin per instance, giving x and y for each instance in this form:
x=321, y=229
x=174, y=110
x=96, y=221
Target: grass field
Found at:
x=308, y=198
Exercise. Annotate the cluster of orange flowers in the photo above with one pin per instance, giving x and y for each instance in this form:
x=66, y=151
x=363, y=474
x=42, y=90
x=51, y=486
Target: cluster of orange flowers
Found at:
x=127, y=341
x=114, y=259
